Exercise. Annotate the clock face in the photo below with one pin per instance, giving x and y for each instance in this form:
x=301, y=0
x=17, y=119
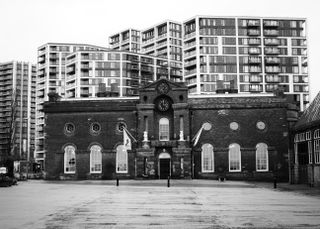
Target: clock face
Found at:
x=163, y=88
x=163, y=104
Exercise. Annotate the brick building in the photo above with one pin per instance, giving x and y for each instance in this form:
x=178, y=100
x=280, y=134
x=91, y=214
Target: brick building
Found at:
x=166, y=132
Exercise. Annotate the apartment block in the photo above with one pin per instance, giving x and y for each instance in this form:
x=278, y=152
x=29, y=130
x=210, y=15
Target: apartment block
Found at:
x=244, y=55
x=51, y=78
x=115, y=73
x=127, y=40
x=239, y=55
x=165, y=40
x=17, y=110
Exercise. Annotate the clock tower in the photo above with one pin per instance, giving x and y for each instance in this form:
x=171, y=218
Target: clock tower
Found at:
x=163, y=127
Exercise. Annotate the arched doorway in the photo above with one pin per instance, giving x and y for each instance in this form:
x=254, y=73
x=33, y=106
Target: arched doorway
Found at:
x=164, y=164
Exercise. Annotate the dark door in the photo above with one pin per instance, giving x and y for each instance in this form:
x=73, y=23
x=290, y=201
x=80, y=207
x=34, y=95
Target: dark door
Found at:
x=164, y=168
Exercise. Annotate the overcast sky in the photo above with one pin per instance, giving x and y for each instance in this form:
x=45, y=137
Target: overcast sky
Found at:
x=27, y=24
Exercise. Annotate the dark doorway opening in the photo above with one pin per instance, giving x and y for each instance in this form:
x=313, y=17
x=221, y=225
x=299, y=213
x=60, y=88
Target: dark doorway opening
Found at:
x=164, y=168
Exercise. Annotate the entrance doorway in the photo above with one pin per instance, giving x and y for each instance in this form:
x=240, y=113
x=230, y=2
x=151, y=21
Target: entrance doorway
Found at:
x=164, y=165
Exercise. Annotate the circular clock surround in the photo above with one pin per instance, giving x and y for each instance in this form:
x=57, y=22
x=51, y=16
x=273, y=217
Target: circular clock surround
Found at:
x=163, y=88
x=261, y=125
x=163, y=104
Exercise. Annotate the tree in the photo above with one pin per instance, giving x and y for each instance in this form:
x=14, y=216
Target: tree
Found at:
x=10, y=147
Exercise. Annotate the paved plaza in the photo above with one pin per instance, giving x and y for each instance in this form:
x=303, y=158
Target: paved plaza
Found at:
x=151, y=204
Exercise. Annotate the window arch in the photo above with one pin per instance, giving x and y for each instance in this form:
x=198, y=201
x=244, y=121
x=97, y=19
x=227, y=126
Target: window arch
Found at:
x=164, y=129
x=95, y=159
x=234, y=158
x=122, y=159
x=70, y=159
x=262, y=160
x=207, y=158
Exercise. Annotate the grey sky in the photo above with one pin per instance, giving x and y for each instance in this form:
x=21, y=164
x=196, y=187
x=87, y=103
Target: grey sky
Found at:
x=27, y=24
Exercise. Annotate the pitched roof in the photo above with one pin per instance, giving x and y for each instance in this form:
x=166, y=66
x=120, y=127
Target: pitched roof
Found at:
x=311, y=114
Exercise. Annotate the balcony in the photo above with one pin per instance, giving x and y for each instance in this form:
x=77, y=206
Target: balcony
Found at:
x=71, y=69
x=273, y=79
x=272, y=61
x=254, y=51
x=272, y=51
x=190, y=63
x=253, y=32
x=255, y=79
x=254, y=60
x=146, y=69
x=254, y=69
x=190, y=35
x=133, y=67
x=254, y=41
x=270, y=23
x=271, y=41
x=253, y=23
x=273, y=69
x=271, y=32
x=255, y=88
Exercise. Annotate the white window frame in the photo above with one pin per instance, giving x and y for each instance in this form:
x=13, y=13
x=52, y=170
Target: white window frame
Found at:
x=316, y=147
x=308, y=135
x=121, y=149
x=262, y=153
x=234, y=154
x=207, y=158
x=316, y=134
x=95, y=158
x=310, y=152
x=164, y=129
x=67, y=157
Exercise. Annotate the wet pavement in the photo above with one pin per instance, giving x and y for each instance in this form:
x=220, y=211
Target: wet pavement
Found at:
x=151, y=204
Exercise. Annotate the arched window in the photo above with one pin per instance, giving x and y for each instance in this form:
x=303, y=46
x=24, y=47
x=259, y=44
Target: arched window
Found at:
x=164, y=129
x=234, y=158
x=122, y=159
x=95, y=159
x=262, y=157
x=207, y=158
x=69, y=159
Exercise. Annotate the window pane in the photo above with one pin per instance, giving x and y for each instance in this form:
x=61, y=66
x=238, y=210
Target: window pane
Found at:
x=207, y=158
x=262, y=157
x=95, y=159
x=164, y=129
x=122, y=159
x=234, y=157
x=69, y=159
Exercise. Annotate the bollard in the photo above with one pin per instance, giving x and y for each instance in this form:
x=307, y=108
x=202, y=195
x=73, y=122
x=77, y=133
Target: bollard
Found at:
x=117, y=181
x=168, y=181
x=274, y=182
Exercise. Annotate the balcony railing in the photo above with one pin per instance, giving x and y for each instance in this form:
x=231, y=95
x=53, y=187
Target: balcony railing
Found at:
x=272, y=60
x=272, y=51
x=271, y=32
x=253, y=32
x=271, y=41
x=253, y=23
x=271, y=23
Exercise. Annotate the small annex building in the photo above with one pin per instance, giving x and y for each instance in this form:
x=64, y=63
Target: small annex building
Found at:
x=305, y=166
x=166, y=132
